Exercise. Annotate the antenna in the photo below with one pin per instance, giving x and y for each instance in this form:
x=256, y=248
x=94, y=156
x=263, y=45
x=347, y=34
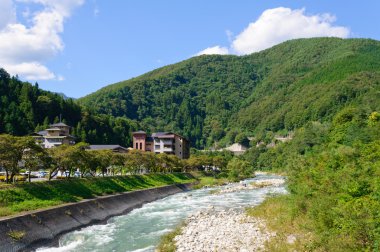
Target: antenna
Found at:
x=60, y=118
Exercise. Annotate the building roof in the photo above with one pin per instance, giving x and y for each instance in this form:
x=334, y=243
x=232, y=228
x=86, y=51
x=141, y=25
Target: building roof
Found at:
x=139, y=132
x=61, y=124
x=236, y=147
x=106, y=147
x=160, y=134
x=53, y=137
x=53, y=129
x=40, y=133
x=167, y=135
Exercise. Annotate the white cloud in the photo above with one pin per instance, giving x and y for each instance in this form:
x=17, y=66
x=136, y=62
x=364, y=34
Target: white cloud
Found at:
x=31, y=71
x=214, y=50
x=23, y=50
x=278, y=25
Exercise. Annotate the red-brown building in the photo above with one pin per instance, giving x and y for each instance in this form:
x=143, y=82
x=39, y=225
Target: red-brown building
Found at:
x=162, y=142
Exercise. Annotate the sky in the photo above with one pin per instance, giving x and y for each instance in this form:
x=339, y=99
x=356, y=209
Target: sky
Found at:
x=79, y=46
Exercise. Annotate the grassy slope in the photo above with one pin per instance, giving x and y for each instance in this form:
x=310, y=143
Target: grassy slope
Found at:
x=30, y=196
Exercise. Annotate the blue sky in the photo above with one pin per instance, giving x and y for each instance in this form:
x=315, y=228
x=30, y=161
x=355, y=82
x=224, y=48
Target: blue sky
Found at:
x=79, y=46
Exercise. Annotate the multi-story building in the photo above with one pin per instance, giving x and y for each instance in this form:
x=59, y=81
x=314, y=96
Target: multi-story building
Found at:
x=162, y=142
x=57, y=134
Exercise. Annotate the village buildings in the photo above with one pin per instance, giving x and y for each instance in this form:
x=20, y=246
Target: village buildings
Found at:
x=159, y=142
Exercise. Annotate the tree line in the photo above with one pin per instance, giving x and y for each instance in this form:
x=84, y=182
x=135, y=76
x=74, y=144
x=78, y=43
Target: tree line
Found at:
x=25, y=154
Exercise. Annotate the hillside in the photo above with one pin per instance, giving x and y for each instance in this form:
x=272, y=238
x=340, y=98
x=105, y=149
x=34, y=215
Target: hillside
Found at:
x=25, y=108
x=212, y=98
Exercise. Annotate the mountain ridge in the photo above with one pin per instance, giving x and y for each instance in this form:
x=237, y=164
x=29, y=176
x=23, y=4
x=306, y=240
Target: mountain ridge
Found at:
x=211, y=98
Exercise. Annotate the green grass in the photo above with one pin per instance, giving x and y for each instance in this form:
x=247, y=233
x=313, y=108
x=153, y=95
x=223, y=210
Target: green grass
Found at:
x=167, y=243
x=37, y=195
x=280, y=215
x=208, y=179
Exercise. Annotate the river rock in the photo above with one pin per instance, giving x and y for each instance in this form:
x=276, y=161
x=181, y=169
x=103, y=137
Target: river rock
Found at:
x=226, y=230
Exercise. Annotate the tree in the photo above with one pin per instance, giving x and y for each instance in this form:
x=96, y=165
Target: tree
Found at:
x=34, y=156
x=239, y=169
x=11, y=151
x=242, y=139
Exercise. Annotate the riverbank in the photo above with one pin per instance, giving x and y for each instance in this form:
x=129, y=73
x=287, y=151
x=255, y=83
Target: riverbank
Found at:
x=41, y=195
x=216, y=229
x=34, y=229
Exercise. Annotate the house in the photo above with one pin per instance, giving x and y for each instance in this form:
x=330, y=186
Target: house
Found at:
x=114, y=148
x=237, y=149
x=162, y=142
x=57, y=134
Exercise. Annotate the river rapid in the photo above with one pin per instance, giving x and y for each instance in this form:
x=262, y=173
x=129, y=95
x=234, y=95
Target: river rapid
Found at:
x=141, y=229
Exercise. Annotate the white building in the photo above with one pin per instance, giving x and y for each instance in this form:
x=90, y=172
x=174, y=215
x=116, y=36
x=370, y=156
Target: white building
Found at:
x=56, y=135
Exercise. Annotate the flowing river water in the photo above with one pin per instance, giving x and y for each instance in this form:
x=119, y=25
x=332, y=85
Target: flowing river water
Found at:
x=141, y=229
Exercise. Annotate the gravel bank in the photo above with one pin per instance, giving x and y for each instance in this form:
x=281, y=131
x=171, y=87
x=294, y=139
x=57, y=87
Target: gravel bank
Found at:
x=226, y=230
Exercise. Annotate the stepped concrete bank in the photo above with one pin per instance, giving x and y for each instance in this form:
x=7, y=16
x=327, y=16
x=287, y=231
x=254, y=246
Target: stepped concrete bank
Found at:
x=34, y=229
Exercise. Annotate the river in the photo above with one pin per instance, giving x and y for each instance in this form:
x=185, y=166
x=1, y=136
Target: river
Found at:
x=141, y=229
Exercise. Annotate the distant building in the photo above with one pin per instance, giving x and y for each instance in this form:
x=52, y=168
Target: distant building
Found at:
x=237, y=149
x=114, y=148
x=162, y=142
x=56, y=135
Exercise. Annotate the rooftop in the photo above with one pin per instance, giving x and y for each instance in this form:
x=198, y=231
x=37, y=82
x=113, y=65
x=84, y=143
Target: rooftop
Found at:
x=139, y=132
x=53, y=129
x=61, y=124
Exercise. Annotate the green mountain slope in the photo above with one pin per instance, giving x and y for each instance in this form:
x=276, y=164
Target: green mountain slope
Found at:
x=209, y=98
x=25, y=108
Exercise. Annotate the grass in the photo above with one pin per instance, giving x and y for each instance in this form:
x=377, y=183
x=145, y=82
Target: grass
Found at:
x=208, y=179
x=293, y=230
x=16, y=235
x=37, y=195
x=167, y=243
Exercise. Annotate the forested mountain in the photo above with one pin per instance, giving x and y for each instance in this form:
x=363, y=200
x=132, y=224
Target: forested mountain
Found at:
x=25, y=108
x=212, y=98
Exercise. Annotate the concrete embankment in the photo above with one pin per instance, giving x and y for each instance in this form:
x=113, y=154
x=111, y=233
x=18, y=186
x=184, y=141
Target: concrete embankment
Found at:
x=31, y=230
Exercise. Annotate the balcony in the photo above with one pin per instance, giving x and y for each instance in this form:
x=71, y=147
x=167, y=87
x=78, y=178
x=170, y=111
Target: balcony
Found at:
x=168, y=150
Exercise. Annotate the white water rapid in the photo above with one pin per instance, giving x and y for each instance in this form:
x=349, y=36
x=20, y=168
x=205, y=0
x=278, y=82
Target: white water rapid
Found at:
x=141, y=229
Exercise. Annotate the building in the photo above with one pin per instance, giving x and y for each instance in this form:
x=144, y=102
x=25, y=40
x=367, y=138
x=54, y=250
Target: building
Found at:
x=114, y=148
x=57, y=134
x=162, y=142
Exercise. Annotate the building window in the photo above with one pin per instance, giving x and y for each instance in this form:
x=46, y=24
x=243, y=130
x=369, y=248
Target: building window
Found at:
x=140, y=146
x=180, y=146
x=137, y=146
x=157, y=146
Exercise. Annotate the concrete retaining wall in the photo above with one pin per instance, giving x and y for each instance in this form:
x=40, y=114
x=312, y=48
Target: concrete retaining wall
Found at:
x=39, y=228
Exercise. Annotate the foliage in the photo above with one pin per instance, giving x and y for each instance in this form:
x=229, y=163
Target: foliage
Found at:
x=16, y=235
x=25, y=108
x=167, y=243
x=213, y=98
x=239, y=169
x=333, y=177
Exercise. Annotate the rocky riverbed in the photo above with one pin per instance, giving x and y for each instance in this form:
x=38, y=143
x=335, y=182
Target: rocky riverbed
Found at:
x=236, y=187
x=226, y=230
